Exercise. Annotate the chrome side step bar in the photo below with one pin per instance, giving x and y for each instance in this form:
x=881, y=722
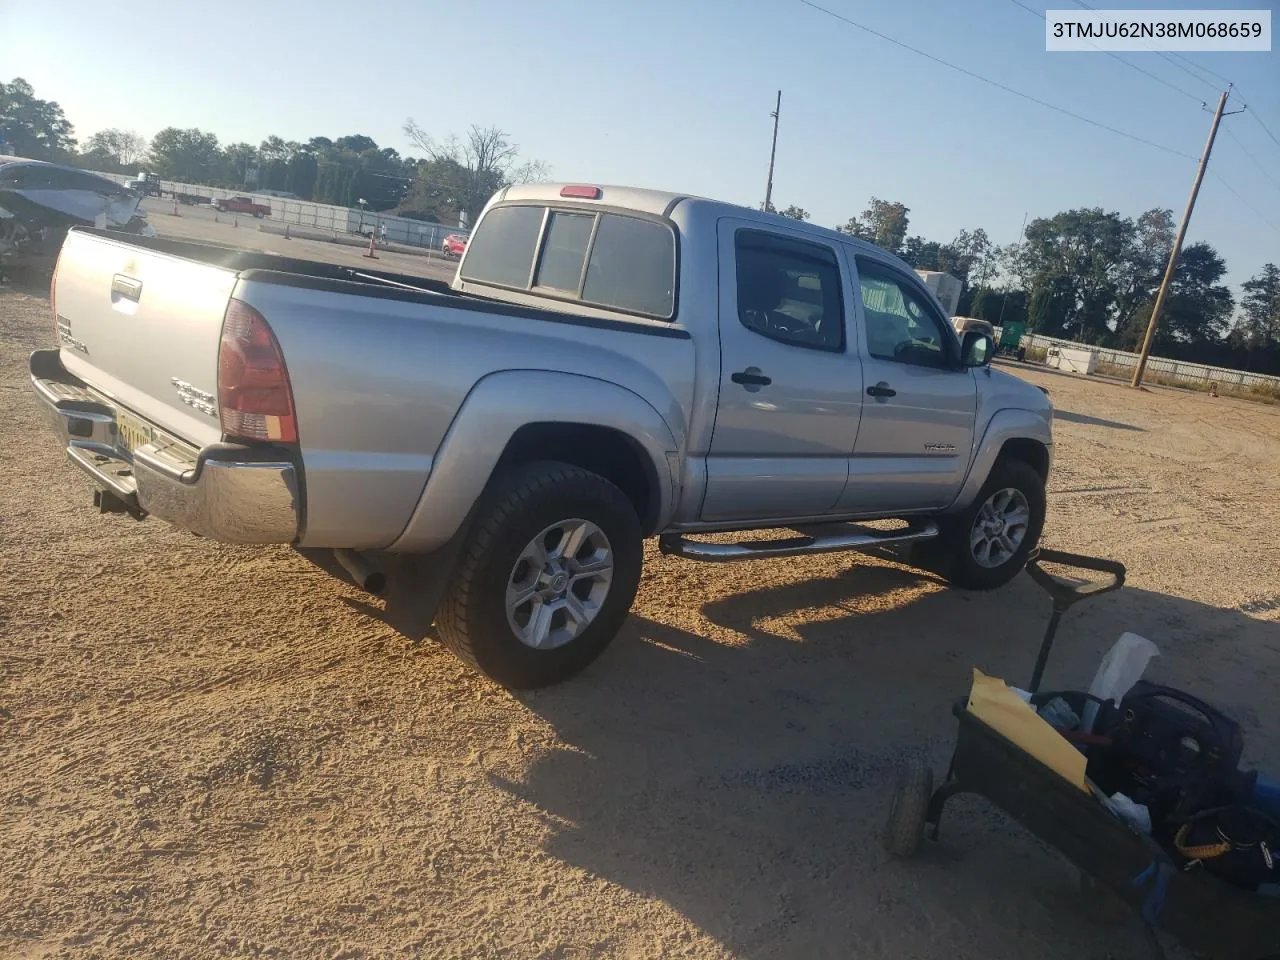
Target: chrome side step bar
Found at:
x=826, y=538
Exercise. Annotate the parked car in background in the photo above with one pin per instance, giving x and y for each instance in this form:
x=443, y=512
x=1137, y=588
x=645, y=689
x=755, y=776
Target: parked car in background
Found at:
x=493, y=453
x=454, y=245
x=241, y=205
x=964, y=324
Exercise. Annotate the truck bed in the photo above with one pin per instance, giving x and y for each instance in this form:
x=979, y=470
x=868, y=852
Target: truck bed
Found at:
x=379, y=363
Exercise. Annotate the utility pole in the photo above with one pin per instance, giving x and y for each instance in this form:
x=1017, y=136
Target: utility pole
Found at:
x=768, y=190
x=1177, y=243
x=1005, y=297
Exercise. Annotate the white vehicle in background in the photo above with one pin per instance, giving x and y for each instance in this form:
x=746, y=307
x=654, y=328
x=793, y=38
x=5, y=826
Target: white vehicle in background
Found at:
x=40, y=201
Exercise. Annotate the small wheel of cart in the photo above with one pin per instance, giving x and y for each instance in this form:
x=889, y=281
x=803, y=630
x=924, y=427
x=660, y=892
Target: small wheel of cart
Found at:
x=911, y=794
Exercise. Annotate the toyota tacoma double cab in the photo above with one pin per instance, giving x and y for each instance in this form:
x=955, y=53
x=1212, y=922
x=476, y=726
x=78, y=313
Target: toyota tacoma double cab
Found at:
x=609, y=364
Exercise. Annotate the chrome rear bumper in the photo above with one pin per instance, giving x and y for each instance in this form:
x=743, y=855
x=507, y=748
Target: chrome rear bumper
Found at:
x=227, y=492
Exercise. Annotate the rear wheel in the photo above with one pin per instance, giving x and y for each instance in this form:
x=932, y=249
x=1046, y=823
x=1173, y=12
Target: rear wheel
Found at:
x=547, y=577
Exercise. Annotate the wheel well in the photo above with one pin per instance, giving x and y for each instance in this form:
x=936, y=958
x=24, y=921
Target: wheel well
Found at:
x=1031, y=452
x=603, y=450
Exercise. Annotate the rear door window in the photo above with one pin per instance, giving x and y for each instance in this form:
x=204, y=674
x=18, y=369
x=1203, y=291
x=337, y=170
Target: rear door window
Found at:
x=633, y=267
x=790, y=291
x=501, y=251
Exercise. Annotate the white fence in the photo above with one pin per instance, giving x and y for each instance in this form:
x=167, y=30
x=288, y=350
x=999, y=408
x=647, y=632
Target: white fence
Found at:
x=321, y=217
x=1175, y=369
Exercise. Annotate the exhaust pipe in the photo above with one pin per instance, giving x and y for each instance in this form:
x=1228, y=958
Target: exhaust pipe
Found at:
x=366, y=578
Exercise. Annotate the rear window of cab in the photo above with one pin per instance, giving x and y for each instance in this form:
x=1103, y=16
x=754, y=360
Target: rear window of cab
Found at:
x=597, y=258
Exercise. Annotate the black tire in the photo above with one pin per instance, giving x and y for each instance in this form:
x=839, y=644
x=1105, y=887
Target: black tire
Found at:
x=911, y=794
x=472, y=620
x=950, y=555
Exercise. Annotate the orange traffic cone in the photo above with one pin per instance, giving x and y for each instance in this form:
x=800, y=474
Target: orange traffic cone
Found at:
x=371, y=255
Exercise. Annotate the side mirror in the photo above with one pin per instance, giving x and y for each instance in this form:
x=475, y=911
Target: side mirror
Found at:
x=977, y=348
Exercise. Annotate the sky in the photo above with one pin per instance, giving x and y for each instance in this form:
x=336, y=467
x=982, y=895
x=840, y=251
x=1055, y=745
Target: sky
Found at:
x=677, y=94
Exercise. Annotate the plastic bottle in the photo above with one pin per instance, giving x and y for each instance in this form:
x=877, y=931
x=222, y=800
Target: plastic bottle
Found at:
x=1120, y=669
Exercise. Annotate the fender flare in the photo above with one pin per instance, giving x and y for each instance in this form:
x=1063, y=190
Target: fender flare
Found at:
x=500, y=404
x=1004, y=425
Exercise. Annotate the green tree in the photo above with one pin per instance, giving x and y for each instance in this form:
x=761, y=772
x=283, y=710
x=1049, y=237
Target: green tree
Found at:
x=301, y=175
x=191, y=156
x=1142, y=264
x=1074, y=261
x=1258, y=327
x=795, y=213
x=920, y=253
x=465, y=173
x=237, y=160
x=124, y=147
x=34, y=128
x=1053, y=300
x=883, y=223
x=998, y=306
x=1197, y=309
x=356, y=143
x=978, y=300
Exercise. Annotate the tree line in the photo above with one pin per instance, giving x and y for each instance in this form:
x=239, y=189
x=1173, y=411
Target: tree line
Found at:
x=1092, y=275
x=455, y=176
x=1087, y=274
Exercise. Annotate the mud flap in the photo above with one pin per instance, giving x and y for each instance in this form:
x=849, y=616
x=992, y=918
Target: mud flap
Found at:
x=416, y=585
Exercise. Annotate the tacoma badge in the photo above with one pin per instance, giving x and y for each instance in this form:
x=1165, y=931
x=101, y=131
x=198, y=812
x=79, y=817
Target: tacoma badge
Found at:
x=194, y=397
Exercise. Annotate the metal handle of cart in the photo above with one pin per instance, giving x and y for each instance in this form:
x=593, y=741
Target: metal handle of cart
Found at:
x=1065, y=592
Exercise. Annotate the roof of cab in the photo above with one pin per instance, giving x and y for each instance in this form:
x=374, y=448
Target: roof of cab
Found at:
x=662, y=202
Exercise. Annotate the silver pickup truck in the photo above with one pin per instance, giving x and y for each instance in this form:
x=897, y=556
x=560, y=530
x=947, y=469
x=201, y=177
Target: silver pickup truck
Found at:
x=609, y=364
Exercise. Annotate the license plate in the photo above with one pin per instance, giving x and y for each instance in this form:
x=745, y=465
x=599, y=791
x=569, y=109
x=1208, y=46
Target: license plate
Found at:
x=131, y=433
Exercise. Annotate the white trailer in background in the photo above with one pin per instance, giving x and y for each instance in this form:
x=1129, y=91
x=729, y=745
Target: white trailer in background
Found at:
x=945, y=287
x=1072, y=359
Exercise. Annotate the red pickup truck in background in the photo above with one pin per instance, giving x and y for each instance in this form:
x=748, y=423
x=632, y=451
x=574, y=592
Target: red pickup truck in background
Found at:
x=241, y=205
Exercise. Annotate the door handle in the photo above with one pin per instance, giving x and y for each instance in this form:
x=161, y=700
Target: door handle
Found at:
x=881, y=389
x=751, y=377
x=125, y=287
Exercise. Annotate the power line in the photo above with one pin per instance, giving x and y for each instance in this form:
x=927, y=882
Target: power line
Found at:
x=1170, y=57
x=1265, y=172
x=1120, y=59
x=995, y=83
x=1248, y=203
x=1265, y=128
x=1212, y=73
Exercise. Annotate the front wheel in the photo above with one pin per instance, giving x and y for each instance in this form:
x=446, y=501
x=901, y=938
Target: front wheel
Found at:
x=910, y=807
x=988, y=544
x=547, y=576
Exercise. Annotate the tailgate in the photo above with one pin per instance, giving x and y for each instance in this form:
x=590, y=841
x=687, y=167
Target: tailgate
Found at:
x=143, y=327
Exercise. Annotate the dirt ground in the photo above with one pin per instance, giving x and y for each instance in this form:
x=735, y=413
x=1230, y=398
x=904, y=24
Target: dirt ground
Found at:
x=211, y=751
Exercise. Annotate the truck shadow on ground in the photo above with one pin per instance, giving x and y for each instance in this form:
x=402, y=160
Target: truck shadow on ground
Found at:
x=744, y=780
x=1070, y=417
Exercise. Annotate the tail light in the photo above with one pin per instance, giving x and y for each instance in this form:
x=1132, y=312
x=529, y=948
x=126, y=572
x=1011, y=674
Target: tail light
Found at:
x=255, y=401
